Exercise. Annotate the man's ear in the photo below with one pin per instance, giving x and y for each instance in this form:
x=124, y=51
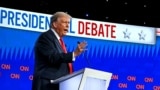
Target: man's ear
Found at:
x=54, y=24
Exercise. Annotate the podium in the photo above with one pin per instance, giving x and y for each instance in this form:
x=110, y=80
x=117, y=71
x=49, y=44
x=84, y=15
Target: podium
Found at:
x=85, y=79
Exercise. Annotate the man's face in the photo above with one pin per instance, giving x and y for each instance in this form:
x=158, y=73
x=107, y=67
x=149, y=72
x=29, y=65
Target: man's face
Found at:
x=62, y=25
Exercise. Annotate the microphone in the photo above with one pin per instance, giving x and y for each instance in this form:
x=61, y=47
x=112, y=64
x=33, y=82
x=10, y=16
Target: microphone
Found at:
x=88, y=62
x=78, y=42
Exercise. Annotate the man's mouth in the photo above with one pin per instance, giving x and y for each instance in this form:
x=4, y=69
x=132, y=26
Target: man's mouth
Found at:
x=66, y=30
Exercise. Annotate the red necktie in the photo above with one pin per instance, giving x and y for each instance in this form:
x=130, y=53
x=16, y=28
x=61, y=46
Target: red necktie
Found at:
x=65, y=51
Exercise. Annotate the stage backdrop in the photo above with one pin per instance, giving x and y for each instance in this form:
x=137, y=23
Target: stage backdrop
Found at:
x=131, y=53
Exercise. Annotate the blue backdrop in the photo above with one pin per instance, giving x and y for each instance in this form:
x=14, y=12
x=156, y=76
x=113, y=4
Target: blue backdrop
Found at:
x=134, y=66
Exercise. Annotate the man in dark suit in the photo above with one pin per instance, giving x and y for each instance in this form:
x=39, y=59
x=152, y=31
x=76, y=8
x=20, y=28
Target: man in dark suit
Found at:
x=51, y=60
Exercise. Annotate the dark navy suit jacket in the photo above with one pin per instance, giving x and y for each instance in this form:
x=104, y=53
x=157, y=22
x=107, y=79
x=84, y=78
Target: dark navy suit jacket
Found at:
x=50, y=60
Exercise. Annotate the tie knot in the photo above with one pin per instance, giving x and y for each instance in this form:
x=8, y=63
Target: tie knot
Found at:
x=61, y=38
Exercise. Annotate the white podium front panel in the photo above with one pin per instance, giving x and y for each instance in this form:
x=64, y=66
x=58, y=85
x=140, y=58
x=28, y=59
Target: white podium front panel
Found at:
x=71, y=84
x=95, y=84
x=95, y=77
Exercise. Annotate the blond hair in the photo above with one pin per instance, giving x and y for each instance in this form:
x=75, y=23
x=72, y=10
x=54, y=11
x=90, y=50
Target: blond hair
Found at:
x=57, y=15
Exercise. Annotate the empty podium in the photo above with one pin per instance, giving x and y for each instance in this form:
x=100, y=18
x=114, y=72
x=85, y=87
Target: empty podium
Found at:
x=85, y=79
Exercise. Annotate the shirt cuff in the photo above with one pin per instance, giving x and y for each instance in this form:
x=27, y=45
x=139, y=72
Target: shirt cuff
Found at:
x=73, y=58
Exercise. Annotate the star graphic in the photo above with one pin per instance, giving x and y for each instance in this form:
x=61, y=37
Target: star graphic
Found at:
x=126, y=34
x=141, y=35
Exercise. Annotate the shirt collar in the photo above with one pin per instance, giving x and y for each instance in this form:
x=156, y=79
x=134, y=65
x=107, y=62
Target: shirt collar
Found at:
x=58, y=37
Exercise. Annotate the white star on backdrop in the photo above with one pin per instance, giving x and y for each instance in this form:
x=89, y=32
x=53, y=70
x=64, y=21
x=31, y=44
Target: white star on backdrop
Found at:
x=126, y=34
x=141, y=35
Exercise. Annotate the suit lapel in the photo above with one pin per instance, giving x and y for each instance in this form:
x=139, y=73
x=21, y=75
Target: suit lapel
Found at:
x=54, y=39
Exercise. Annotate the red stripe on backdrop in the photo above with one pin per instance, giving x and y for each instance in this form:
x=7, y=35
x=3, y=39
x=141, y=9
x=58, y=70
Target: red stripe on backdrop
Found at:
x=158, y=31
